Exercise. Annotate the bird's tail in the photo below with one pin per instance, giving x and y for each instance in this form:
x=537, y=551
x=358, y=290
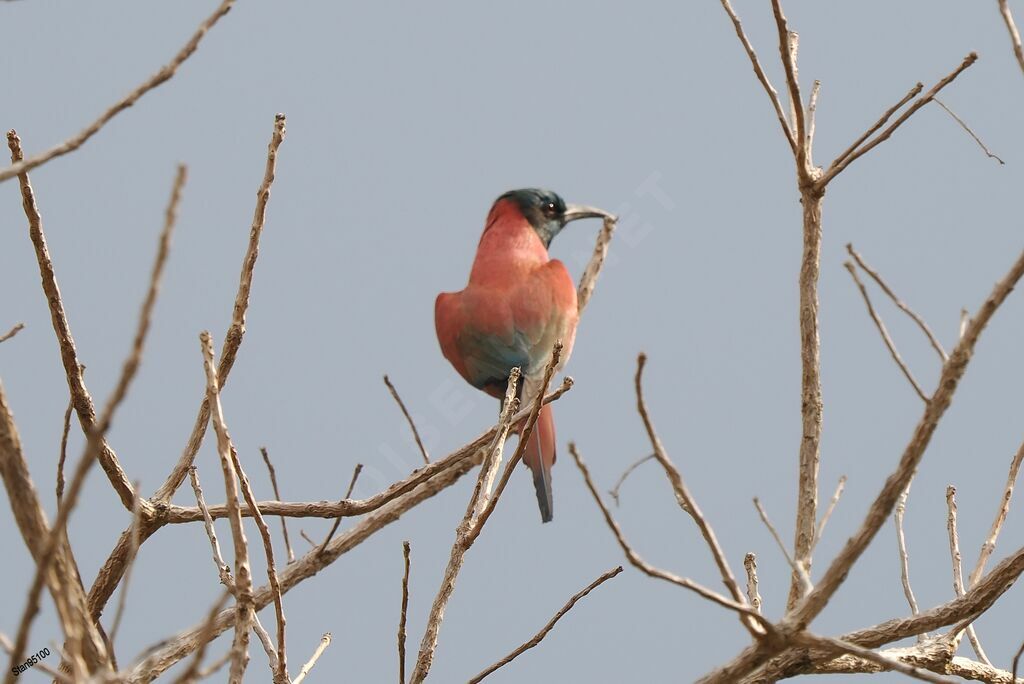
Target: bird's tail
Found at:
x=539, y=455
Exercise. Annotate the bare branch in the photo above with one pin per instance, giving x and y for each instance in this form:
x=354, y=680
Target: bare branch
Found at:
x=244, y=609
x=402, y=618
x=408, y=419
x=798, y=569
x=223, y=570
x=1004, y=508
x=958, y=579
x=901, y=542
x=773, y=95
x=788, y=41
x=750, y=565
x=839, y=165
x=348, y=495
x=886, y=662
x=277, y=495
x=640, y=564
x=165, y=73
x=885, y=333
x=325, y=641
x=900, y=304
x=911, y=94
x=967, y=128
x=828, y=511
x=1004, y=9
x=18, y=327
x=122, y=599
x=539, y=636
x=191, y=673
x=588, y=281
x=614, y=491
x=64, y=446
x=812, y=108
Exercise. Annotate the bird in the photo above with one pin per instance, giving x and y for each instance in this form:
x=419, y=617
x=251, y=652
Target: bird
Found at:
x=517, y=304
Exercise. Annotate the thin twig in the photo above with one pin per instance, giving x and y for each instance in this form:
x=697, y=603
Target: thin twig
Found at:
x=122, y=599
x=244, y=609
x=325, y=641
x=308, y=539
x=787, y=51
x=911, y=94
x=997, y=524
x=96, y=428
x=164, y=74
x=280, y=668
x=614, y=491
x=402, y=618
x=887, y=663
x=812, y=108
x=753, y=595
x=348, y=495
x=683, y=496
x=884, y=333
x=901, y=542
x=642, y=565
x=588, y=281
x=773, y=94
x=965, y=318
x=69, y=356
x=408, y=419
x=223, y=570
x=277, y=495
x=958, y=578
x=828, y=511
x=901, y=305
x=798, y=569
x=967, y=128
x=539, y=636
x=18, y=327
x=1018, y=51
x=839, y=165
x=1020, y=651
x=65, y=433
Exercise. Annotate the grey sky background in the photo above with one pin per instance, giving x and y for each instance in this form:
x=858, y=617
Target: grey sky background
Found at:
x=405, y=121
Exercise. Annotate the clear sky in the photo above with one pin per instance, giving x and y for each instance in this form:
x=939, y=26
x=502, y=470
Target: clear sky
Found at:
x=405, y=121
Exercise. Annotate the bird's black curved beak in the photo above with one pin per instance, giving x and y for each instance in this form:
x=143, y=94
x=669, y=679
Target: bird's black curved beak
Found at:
x=578, y=211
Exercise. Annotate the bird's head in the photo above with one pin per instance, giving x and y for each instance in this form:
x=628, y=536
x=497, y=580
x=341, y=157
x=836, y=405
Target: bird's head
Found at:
x=547, y=212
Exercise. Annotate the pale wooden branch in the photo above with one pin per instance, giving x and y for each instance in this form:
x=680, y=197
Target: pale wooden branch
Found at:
x=18, y=327
x=403, y=616
x=173, y=514
x=95, y=428
x=828, y=511
x=408, y=419
x=112, y=570
x=965, y=317
x=787, y=51
x=685, y=498
x=539, y=636
x=952, y=372
x=244, y=609
x=1018, y=51
x=588, y=281
x=802, y=572
x=123, y=597
x=753, y=595
x=812, y=108
x=313, y=562
x=963, y=125
x=614, y=491
x=308, y=539
x=1020, y=651
x=474, y=519
x=325, y=641
x=223, y=569
x=884, y=332
x=997, y=524
x=902, y=306
x=348, y=494
x=66, y=432
x=901, y=543
x=958, y=579
x=773, y=94
x=277, y=495
x=69, y=356
x=839, y=165
x=165, y=73
x=280, y=667
x=911, y=94
x=640, y=564
x=87, y=648
x=883, y=661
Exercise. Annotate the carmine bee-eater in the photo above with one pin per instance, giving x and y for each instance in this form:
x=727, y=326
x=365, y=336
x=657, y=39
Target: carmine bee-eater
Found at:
x=517, y=304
